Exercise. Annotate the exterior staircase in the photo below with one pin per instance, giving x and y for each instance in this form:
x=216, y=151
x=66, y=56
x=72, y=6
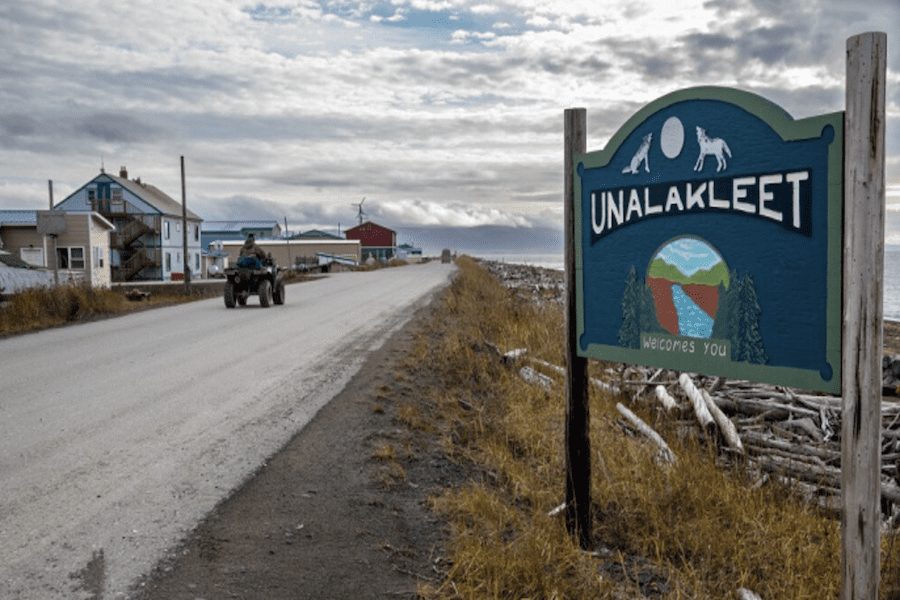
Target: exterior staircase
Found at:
x=136, y=256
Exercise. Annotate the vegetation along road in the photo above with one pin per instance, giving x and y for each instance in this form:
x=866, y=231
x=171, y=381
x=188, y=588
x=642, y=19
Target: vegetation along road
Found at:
x=118, y=436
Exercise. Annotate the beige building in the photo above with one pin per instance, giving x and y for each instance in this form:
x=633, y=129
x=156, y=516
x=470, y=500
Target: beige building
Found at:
x=304, y=251
x=81, y=252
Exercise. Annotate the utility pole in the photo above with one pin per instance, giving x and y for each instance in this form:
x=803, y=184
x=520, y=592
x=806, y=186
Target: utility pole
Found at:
x=184, y=236
x=55, y=257
x=287, y=236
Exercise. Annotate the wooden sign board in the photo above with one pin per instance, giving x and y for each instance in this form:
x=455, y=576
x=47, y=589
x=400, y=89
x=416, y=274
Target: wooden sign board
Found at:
x=708, y=239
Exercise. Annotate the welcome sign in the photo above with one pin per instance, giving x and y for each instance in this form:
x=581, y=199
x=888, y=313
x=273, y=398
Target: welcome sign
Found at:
x=709, y=240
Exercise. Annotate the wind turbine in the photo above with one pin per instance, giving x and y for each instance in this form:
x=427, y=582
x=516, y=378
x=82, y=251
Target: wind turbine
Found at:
x=358, y=205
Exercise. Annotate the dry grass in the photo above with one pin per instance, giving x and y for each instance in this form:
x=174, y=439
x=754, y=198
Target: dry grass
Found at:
x=391, y=473
x=42, y=308
x=698, y=527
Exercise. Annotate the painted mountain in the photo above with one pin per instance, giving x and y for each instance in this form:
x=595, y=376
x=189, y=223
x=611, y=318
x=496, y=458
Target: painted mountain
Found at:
x=684, y=278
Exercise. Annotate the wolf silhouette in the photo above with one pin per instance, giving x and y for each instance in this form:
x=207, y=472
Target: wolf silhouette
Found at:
x=717, y=147
x=641, y=156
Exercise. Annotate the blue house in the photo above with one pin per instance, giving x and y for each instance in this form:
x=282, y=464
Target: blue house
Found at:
x=238, y=230
x=147, y=244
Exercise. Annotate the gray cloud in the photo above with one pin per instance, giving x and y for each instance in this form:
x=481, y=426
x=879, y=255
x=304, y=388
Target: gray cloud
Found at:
x=18, y=124
x=117, y=127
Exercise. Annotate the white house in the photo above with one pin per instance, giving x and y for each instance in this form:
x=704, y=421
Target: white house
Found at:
x=80, y=253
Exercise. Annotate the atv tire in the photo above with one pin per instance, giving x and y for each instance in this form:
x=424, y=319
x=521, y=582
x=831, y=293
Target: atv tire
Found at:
x=278, y=293
x=265, y=293
x=229, y=295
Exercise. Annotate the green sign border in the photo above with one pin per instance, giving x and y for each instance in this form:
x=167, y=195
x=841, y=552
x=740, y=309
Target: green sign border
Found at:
x=789, y=129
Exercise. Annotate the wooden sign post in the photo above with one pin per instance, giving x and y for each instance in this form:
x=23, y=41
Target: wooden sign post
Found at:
x=578, y=416
x=864, y=195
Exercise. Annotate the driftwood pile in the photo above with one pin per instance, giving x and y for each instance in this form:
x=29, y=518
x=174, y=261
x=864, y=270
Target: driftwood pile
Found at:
x=539, y=284
x=891, y=369
x=774, y=431
x=777, y=432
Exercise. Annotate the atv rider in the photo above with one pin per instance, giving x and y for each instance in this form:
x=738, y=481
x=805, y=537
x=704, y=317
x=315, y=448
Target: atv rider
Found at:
x=251, y=255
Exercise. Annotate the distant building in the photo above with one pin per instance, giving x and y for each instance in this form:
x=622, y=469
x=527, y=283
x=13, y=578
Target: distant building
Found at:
x=409, y=253
x=375, y=241
x=80, y=254
x=316, y=234
x=147, y=244
x=238, y=230
x=297, y=252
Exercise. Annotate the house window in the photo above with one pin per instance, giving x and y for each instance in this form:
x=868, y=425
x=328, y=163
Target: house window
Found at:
x=166, y=228
x=98, y=257
x=70, y=258
x=168, y=260
x=197, y=233
x=92, y=197
x=178, y=226
x=117, y=197
x=197, y=262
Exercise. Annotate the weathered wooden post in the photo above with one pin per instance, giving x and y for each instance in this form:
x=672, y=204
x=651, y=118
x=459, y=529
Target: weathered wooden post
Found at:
x=864, y=195
x=578, y=441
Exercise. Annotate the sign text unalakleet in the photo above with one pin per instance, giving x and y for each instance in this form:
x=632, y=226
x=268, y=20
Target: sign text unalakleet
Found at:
x=780, y=197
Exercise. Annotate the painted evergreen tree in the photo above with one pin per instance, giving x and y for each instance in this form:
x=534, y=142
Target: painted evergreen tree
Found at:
x=649, y=323
x=630, y=332
x=724, y=326
x=748, y=344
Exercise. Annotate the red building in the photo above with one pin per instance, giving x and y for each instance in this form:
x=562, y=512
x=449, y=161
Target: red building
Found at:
x=374, y=240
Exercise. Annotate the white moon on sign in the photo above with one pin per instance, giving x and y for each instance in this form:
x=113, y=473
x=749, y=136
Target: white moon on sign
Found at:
x=671, y=139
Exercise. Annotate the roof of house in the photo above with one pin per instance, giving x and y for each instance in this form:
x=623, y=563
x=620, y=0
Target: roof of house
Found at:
x=361, y=225
x=237, y=226
x=28, y=218
x=18, y=217
x=316, y=234
x=153, y=196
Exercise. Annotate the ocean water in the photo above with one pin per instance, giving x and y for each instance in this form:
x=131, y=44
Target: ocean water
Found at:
x=548, y=261
x=891, y=272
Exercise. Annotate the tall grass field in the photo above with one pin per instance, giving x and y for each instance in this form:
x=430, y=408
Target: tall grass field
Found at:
x=700, y=528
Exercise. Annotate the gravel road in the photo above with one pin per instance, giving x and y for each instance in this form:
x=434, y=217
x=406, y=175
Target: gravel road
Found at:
x=117, y=437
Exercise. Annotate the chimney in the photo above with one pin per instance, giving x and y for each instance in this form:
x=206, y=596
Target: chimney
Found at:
x=123, y=172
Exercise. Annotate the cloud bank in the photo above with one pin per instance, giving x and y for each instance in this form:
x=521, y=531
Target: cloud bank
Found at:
x=441, y=113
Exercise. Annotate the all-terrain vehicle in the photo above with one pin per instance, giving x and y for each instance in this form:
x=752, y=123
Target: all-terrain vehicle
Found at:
x=254, y=276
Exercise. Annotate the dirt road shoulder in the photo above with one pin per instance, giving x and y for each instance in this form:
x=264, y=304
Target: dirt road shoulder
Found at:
x=340, y=512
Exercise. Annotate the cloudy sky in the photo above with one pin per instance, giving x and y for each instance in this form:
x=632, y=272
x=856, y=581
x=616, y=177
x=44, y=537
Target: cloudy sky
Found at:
x=440, y=113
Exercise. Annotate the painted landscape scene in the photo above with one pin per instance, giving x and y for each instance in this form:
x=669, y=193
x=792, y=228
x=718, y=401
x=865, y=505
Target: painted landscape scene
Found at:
x=684, y=278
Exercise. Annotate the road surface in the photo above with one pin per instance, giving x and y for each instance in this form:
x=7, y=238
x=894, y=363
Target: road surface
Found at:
x=118, y=437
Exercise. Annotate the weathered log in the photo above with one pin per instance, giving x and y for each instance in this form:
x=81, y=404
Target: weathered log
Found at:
x=663, y=396
x=757, y=439
x=532, y=376
x=729, y=431
x=665, y=452
x=703, y=416
x=828, y=476
x=601, y=384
